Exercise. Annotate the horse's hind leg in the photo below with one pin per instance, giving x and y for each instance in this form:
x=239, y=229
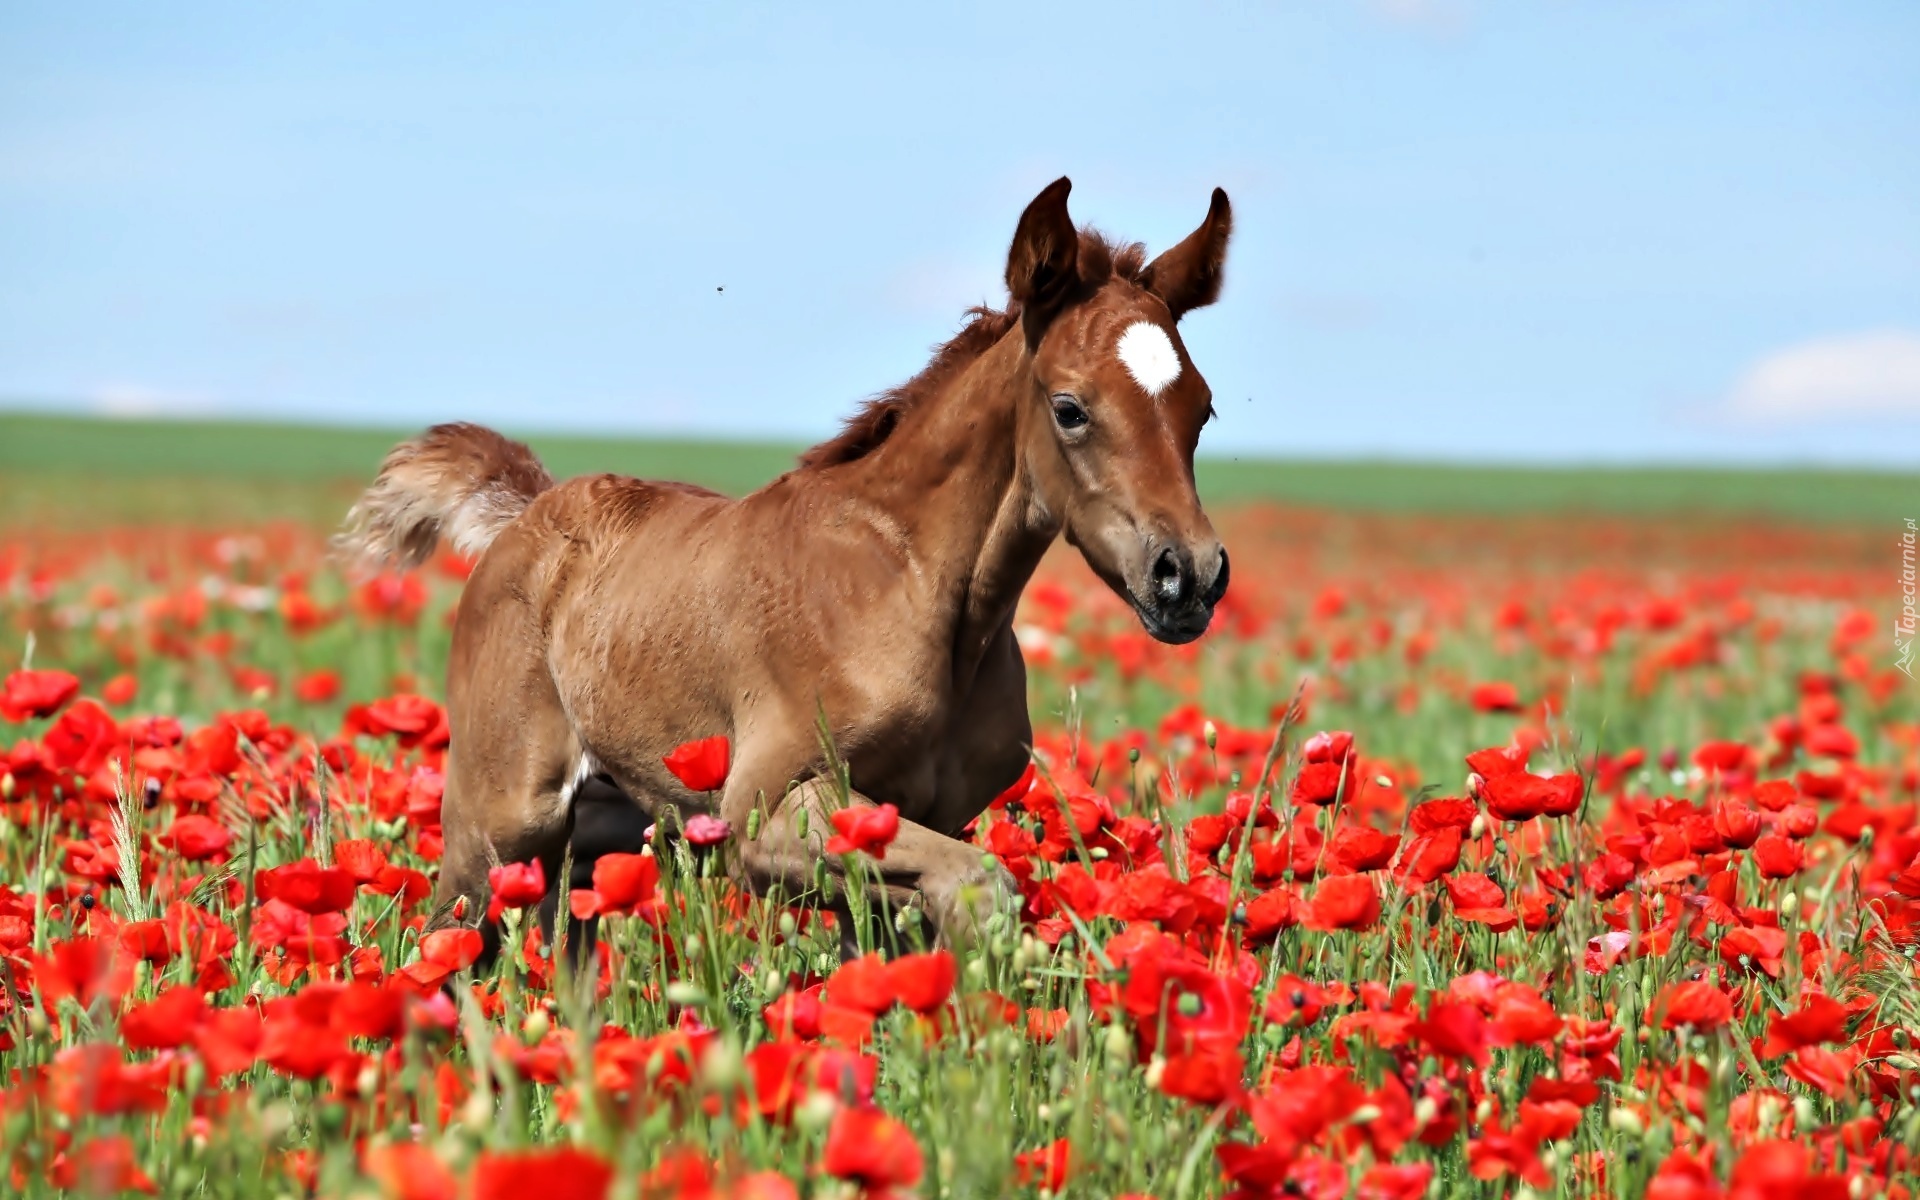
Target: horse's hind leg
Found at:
x=512, y=767
x=605, y=821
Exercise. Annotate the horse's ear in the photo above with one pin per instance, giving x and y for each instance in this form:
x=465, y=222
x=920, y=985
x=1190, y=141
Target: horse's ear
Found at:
x=1188, y=276
x=1042, y=266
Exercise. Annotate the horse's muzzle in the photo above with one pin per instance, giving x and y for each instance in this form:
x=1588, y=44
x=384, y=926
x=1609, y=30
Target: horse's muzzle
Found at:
x=1179, y=599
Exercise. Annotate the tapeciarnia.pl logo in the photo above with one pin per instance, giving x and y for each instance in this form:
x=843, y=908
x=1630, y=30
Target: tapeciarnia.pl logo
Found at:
x=1903, y=624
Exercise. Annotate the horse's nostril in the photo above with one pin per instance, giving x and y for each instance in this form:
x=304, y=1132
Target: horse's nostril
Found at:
x=1218, y=588
x=1169, y=578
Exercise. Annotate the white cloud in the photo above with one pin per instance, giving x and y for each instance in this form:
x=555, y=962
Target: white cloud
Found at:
x=1873, y=374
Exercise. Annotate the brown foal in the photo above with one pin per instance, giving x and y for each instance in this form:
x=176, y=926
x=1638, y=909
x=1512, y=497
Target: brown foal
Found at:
x=608, y=619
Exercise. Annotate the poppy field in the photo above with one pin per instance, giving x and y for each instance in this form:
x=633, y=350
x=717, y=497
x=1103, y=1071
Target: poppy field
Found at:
x=1468, y=855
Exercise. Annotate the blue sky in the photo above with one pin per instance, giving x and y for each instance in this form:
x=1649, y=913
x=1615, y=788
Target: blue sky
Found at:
x=1517, y=232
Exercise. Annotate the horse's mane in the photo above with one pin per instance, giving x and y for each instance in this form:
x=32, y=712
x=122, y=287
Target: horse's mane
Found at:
x=1100, y=260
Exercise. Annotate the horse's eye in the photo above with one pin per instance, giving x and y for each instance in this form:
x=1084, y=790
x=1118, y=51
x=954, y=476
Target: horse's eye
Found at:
x=1067, y=413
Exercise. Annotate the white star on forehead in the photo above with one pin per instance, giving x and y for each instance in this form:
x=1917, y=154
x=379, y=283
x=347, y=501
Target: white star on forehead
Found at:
x=1148, y=355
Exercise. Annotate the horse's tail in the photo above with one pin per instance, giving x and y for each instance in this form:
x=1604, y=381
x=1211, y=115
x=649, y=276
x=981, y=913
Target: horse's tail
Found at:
x=462, y=482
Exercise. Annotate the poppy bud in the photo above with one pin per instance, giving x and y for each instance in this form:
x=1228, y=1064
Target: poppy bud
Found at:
x=1133, y=756
x=536, y=1026
x=800, y=825
x=1211, y=732
x=753, y=825
x=812, y=1114
x=1156, y=1071
x=722, y=1067
x=477, y=1111
x=460, y=908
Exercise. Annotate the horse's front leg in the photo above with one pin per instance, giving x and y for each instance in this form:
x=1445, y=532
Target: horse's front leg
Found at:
x=958, y=886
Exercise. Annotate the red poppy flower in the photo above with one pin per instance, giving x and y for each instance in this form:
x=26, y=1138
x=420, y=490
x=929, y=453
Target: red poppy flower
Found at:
x=1048, y=1167
x=562, y=1173
x=1819, y=1018
x=410, y=1171
x=1321, y=783
x=83, y=969
x=1521, y=795
x=228, y=1040
x=1736, y=822
x=1208, y=1076
x=165, y=1022
x=1430, y=855
x=81, y=738
x=1454, y=1031
x=700, y=766
x=120, y=690
x=1495, y=698
x=517, y=885
x=369, y=1010
x=101, y=1166
x=443, y=952
x=317, y=687
x=1697, y=1003
x=870, y=1148
x=1344, y=902
x=415, y=720
x=1783, y=1168
x=1778, y=857
x=1832, y=741
x=196, y=838
x=1295, y=1107
x=865, y=983
x=1396, y=1181
x=864, y=829
x=1195, y=1007
x=1328, y=746
x=1296, y=998
x=622, y=883
x=29, y=695
x=1364, y=849
x=923, y=982
x=307, y=886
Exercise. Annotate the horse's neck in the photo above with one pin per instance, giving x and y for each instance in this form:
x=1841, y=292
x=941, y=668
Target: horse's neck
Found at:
x=952, y=475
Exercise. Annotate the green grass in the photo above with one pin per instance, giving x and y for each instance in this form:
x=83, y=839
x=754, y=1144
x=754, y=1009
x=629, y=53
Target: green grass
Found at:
x=70, y=470
x=264, y=450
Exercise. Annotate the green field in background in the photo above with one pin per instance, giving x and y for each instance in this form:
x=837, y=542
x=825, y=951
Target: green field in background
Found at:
x=75, y=470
